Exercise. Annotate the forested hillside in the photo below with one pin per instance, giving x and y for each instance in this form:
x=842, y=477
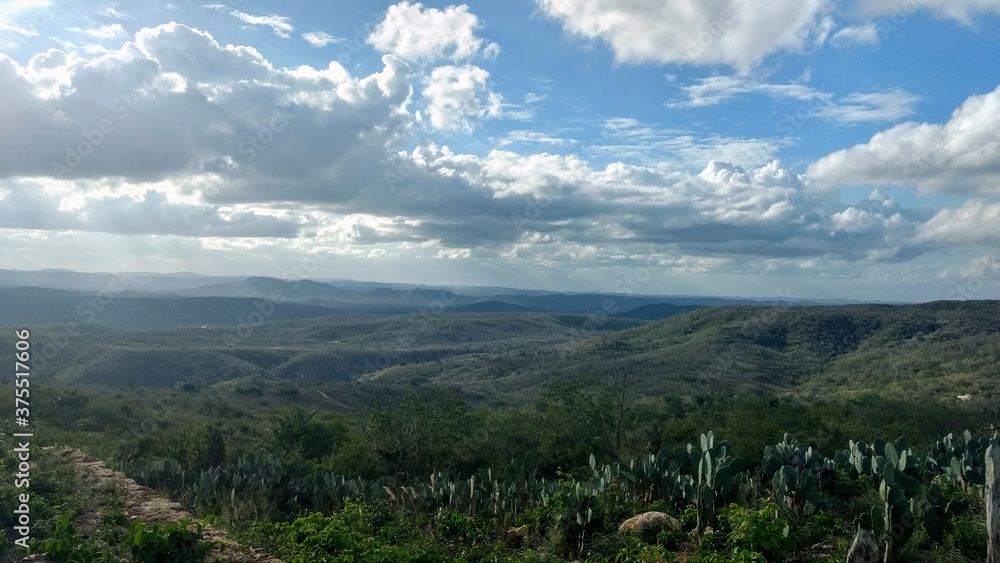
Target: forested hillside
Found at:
x=533, y=437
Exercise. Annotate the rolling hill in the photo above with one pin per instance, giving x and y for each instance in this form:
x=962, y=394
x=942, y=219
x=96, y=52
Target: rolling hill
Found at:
x=339, y=348
x=937, y=350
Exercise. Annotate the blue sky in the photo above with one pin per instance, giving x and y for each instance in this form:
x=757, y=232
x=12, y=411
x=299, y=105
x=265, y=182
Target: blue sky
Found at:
x=812, y=148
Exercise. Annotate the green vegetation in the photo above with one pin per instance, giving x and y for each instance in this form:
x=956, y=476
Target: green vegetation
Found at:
x=556, y=436
x=74, y=523
x=914, y=352
x=174, y=543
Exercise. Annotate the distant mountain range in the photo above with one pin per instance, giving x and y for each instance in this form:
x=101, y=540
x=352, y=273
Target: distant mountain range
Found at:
x=149, y=300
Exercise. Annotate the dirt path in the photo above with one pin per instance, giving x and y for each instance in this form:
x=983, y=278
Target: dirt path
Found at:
x=148, y=505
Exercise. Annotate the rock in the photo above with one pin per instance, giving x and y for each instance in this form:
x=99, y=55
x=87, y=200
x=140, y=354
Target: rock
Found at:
x=648, y=520
x=517, y=533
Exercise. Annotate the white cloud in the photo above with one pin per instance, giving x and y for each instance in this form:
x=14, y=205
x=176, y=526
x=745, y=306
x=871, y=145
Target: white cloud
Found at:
x=280, y=25
x=455, y=96
x=176, y=104
x=111, y=11
x=976, y=222
x=866, y=34
x=730, y=32
x=961, y=10
x=857, y=107
x=43, y=204
x=982, y=268
x=823, y=30
x=536, y=137
x=320, y=38
x=631, y=140
x=887, y=105
x=103, y=32
x=216, y=142
x=10, y=15
x=852, y=220
x=959, y=156
x=415, y=33
x=718, y=89
x=891, y=105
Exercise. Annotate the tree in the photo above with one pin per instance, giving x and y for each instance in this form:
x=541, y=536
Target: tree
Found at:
x=428, y=430
x=306, y=434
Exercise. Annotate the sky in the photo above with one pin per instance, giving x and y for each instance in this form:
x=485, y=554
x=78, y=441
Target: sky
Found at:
x=789, y=148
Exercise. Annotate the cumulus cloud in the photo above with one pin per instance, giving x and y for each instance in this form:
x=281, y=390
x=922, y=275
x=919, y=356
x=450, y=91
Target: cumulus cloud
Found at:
x=726, y=210
x=975, y=222
x=455, y=96
x=174, y=133
x=29, y=204
x=983, y=268
x=730, y=32
x=415, y=33
x=959, y=156
x=175, y=102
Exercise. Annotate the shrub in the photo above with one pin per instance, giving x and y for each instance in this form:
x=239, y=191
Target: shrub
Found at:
x=64, y=545
x=644, y=554
x=970, y=537
x=176, y=543
x=760, y=530
x=358, y=533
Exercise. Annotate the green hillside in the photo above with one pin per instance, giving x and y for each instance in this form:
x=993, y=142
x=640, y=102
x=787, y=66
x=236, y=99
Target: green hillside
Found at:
x=431, y=438
x=939, y=350
x=936, y=349
x=340, y=348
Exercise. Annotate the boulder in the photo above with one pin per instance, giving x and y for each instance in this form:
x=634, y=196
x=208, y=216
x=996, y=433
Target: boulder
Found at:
x=647, y=521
